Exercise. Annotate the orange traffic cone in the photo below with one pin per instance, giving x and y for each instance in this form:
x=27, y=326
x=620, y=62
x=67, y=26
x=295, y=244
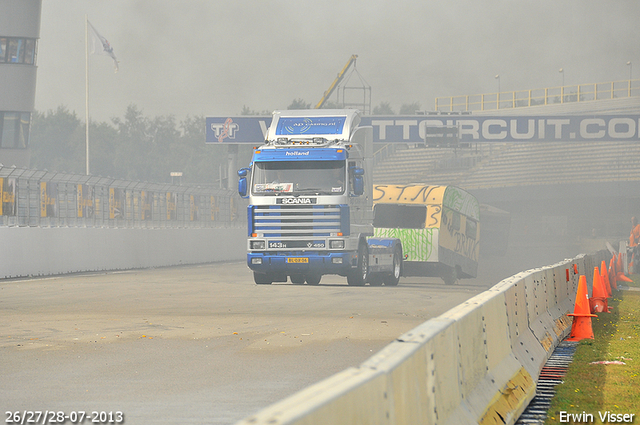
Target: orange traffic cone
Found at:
x=621, y=276
x=619, y=264
x=612, y=273
x=581, y=327
x=605, y=279
x=598, y=301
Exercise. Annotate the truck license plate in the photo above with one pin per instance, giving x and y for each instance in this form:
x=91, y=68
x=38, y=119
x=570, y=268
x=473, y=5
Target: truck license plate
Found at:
x=297, y=260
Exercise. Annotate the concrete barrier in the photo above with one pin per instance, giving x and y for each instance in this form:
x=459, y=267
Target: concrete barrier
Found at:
x=33, y=251
x=477, y=363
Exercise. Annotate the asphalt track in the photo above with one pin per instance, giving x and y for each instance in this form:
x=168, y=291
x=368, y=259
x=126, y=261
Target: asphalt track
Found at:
x=194, y=344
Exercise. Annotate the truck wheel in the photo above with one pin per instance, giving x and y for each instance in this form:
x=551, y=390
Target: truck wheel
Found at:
x=297, y=279
x=393, y=278
x=262, y=278
x=449, y=275
x=313, y=279
x=358, y=277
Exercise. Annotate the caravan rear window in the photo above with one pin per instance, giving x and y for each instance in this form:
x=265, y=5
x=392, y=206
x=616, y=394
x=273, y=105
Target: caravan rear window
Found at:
x=472, y=229
x=397, y=216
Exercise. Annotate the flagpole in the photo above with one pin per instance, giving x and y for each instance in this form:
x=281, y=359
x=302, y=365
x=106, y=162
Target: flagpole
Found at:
x=86, y=87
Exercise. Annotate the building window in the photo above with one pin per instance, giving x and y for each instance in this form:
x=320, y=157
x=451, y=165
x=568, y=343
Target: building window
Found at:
x=18, y=50
x=29, y=51
x=14, y=129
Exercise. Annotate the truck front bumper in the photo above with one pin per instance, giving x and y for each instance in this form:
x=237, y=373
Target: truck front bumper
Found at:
x=288, y=263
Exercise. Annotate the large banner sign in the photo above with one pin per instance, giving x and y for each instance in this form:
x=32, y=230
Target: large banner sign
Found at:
x=248, y=129
x=471, y=128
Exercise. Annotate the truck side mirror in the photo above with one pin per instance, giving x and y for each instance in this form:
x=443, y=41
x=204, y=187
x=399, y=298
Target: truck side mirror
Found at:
x=358, y=181
x=242, y=182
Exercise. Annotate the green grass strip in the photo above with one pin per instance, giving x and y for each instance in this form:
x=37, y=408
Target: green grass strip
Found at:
x=592, y=389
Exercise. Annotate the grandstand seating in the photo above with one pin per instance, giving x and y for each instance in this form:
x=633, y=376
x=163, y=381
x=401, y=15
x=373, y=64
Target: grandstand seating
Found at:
x=514, y=164
x=434, y=165
x=557, y=162
x=519, y=164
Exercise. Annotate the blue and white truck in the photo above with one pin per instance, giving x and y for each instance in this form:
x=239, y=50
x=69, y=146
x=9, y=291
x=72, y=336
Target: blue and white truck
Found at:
x=310, y=207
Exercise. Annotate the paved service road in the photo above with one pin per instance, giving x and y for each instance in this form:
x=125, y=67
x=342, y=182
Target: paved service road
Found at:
x=194, y=344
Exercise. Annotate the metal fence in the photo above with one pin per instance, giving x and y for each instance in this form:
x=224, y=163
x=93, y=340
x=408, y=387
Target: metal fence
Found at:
x=47, y=199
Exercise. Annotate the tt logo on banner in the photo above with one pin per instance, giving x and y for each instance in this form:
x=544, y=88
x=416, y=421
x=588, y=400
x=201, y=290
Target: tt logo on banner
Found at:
x=222, y=131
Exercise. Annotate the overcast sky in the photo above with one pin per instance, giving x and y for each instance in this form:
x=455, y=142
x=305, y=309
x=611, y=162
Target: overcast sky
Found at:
x=210, y=58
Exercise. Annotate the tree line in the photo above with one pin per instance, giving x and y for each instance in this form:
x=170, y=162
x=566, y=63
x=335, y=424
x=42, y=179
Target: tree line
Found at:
x=140, y=148
x=134, y=147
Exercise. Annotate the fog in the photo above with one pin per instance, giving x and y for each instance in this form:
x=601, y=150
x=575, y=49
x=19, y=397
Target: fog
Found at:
x=211, y=58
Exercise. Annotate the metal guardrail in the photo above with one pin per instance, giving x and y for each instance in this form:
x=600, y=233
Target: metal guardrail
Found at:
x=544, y=96
x=48, y=199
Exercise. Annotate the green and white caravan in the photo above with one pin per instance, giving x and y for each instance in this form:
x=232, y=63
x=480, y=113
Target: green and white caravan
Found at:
x=439, y=227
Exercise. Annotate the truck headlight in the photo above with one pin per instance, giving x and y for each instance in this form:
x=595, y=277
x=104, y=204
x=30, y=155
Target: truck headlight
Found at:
x=257, y=245
x=339, y=244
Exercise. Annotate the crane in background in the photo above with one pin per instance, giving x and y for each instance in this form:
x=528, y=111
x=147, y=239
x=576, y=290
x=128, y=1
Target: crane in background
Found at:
x=337, y=81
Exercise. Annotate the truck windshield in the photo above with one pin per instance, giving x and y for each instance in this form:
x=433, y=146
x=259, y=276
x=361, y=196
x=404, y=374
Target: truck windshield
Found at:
x=299, y=177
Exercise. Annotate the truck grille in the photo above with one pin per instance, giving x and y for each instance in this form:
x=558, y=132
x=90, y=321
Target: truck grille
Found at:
x=281, y=221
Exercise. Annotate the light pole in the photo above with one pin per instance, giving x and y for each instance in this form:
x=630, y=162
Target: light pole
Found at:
x=630, y=65
x=497, y=77
x=561, y=71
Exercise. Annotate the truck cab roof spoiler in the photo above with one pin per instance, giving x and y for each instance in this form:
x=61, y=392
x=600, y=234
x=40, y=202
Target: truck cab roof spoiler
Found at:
x=313, y=127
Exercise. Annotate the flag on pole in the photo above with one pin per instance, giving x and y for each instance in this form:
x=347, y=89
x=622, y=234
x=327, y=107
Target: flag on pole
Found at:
x=101, y=46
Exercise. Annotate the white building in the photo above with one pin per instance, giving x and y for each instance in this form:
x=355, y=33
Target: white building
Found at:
x=19, y=33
